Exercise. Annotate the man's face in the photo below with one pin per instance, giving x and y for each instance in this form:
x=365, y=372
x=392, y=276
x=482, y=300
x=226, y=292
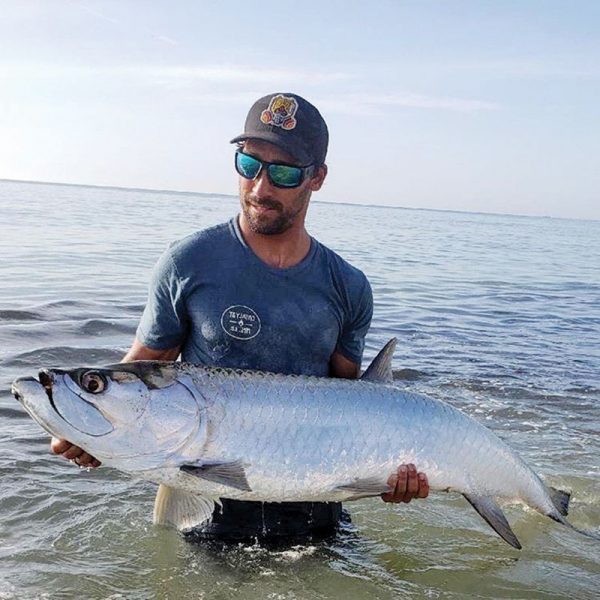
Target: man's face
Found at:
x=270, y=210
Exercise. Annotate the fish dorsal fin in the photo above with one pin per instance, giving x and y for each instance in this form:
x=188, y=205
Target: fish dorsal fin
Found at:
x=180, y=509
x=364, y=488
x=380, y=370
x=492, y=514
x=230, y=473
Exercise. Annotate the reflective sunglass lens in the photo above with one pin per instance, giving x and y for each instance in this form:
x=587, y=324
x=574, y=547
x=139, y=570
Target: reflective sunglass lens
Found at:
x=247, y=166
x=285, y=176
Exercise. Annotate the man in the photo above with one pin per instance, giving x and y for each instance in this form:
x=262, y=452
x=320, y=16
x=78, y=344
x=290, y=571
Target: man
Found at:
x=260, y=293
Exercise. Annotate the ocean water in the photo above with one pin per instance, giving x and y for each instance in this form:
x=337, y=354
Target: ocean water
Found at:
x=497, y=315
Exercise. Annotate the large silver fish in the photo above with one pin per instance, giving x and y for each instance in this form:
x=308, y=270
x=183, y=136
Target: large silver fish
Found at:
x=209, y=433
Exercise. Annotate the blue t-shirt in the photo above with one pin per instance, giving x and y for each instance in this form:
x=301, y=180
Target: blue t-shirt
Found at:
x=211, y=295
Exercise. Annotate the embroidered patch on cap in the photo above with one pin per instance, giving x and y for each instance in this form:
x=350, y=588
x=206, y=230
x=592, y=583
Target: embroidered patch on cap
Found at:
x=280, y=112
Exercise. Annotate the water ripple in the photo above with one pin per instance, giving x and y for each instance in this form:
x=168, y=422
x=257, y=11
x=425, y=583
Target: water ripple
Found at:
x=497, y=315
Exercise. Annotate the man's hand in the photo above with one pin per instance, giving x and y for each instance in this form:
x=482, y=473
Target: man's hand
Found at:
x=75, y=453
x=406, y=484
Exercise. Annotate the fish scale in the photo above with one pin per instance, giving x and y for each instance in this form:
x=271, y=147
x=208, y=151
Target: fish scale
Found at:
x=362, y=420
x=208, y=433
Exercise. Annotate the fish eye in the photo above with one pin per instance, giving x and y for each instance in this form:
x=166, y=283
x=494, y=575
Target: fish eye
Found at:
x=93, y=382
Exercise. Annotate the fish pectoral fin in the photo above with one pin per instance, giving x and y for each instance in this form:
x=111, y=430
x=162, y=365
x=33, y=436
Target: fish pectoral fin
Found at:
x=230, y=473
x=380, y=370
x=487, y=507
x=181, y=509
x=364, y=488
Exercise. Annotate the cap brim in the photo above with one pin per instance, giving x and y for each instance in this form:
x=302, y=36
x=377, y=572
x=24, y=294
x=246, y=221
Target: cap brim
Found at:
x=274, y=139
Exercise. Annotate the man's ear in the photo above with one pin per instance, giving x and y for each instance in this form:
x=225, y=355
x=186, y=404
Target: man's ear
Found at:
x=316, y=181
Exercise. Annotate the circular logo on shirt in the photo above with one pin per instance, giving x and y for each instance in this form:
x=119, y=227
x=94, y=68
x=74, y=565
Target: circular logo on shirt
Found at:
x=240, y=322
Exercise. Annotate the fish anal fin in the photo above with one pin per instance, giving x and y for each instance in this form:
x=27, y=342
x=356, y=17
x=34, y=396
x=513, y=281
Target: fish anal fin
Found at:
x=560, y=499
x=492, y=514
x=181, y=509
x=364, y=488
x=380, y=370
x=230, y=473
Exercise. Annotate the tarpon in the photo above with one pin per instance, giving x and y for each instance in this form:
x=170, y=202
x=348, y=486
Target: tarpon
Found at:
x=207, y=433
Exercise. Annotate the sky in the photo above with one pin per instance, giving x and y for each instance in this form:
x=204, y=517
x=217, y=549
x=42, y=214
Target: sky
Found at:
x=488, y=106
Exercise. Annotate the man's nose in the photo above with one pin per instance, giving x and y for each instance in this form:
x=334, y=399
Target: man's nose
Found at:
x=261, y=186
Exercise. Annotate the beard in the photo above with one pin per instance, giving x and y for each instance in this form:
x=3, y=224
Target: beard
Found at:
x=278, y=220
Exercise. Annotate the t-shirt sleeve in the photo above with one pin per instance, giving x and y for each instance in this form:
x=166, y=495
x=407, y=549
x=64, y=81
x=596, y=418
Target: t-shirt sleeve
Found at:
x=164, y=321
x=352, y=341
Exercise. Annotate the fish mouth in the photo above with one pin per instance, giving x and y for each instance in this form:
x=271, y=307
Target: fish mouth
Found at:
x=45, y=380
x=16, y=392
x=29, y=392
x=70, y=407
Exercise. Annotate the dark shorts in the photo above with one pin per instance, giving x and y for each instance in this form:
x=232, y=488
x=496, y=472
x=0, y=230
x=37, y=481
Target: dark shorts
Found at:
x=250, y=522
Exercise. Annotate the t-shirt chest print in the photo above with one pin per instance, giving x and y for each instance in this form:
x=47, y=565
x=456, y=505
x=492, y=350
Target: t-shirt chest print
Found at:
x=240, y=322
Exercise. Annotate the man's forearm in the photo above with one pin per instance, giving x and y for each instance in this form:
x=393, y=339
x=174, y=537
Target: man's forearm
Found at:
x=340, y=366
x=139, y=351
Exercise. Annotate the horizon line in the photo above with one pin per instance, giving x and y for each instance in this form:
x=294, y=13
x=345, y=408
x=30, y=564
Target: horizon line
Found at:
x=233, y=196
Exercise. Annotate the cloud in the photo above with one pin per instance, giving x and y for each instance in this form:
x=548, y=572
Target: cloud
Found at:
x=166, y=39
x=181, y=74
x=233, y=84
x=235, y=74
x=95, y=13
x=360, y=103
x=558, y=67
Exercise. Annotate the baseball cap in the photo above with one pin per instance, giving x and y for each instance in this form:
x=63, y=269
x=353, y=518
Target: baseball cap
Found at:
x=290, y=122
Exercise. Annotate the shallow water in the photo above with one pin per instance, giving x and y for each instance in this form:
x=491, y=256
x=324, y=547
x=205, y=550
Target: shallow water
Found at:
x=498, y=315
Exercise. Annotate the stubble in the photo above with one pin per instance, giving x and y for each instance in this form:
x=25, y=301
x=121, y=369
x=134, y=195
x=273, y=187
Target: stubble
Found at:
x=277, y=220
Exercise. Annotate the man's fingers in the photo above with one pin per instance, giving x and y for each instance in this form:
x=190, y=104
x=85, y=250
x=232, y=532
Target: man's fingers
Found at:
x=412, y=482
x=423, y=486
x=392, y=480
x=58, y=446
x=400, y=490
x=406, y=483
x=87, y=460
x=84, y=460
x=73, y=452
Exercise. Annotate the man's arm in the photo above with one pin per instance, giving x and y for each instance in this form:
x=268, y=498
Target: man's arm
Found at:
x=340, y=366
x=137, y=352
x=140, y=352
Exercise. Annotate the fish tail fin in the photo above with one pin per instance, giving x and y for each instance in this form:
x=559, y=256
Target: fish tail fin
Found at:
x=487, y=507
x=590, y=534
x=560, y=499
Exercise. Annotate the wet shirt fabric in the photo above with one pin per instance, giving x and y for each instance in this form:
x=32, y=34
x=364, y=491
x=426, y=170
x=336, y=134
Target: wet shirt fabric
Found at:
x=212, y=296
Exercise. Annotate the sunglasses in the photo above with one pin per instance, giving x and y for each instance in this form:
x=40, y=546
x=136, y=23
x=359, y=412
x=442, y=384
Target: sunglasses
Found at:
x=280, y=175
